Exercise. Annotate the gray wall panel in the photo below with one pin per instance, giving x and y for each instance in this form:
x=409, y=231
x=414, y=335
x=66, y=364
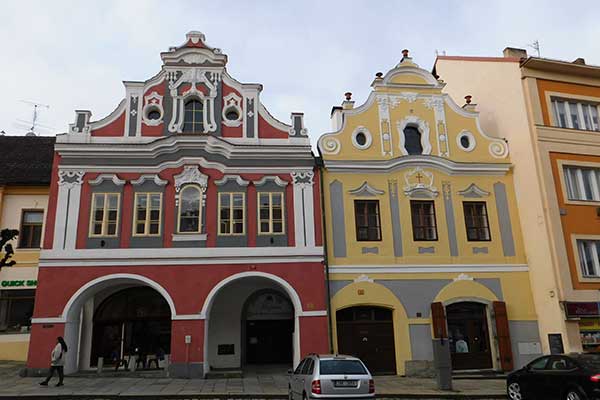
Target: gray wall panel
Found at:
x=420, y=342
x=523, y=332
x=336, y=191
x=508, y=244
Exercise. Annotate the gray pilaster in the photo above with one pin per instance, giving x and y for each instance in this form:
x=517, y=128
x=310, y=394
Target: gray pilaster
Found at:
x=506, y=233
x=336, y=192
x=395, y=210
x=450, y=221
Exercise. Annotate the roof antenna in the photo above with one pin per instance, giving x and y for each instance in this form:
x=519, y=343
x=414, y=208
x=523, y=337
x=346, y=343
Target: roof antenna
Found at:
x=34, y=118
x=536, y=46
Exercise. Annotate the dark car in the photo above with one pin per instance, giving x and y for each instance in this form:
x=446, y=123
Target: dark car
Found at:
x=560, y=377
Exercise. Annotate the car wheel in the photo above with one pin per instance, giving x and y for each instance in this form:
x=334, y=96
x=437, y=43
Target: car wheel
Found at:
x=514, y=391
x=574, y=394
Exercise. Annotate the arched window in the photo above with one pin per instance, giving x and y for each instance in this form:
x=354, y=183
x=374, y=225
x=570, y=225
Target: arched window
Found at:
x=412, y=140
x=194, y=116
x=190, y=210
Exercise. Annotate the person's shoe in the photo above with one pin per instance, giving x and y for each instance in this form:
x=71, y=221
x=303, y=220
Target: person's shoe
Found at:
x=59, y=384
x=43, y=383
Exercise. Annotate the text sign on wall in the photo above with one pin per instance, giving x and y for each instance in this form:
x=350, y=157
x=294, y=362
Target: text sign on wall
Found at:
x=581, y=309
x=19, y=283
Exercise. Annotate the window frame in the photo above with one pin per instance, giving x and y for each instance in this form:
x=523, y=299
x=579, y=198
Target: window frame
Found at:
x=562, y=165
x=231, y=219
x=194, y=123
x=5, y=297
x=200, y=210
x=487, y=221
x=553, y=100
x=258, y=205
x=583, y=277
x=356, y=222
x=437, y=236
x=148, y=212
x=104, y=215
x=22, y=224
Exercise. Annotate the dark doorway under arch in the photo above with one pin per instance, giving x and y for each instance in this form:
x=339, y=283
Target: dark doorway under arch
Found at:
x=368, y=333
x=469, y=336
x=137, y=317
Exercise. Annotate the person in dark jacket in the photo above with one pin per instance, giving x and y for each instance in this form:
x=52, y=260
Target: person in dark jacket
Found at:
x=57, y=362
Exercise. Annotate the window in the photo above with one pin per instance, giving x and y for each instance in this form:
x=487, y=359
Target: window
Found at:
x=575, y=114
x=423, y=220
x=194, y=116
x=105, y=214
x=412, y=140
x=147, y=214
x=361, y=138
x=368, y=225
x=30, y=234
x=539, y=364
x=270, y=214
x=582, y=183
x=190, y=206
x=476, y=221
x=153, y=115
x=231, y=114
x=589, y=257
x=16, y=309
x=231, y=213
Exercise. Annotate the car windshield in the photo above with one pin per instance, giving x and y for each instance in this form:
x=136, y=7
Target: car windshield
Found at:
x=589, y=360
x=342, y=367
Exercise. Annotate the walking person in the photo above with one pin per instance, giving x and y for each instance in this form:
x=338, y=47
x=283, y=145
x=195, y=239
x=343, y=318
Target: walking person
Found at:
x=57, y=362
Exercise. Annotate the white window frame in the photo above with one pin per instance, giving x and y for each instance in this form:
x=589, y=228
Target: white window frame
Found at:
x=583, y=277
x=200, y=210
x=146, y=233
x=104, y=215
x=553, y=98
x=563, y=165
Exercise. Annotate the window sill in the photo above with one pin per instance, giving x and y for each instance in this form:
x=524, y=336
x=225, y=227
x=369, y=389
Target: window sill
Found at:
x=187, y=237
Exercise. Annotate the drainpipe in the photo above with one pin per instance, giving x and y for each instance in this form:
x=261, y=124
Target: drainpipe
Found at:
x=321, y=166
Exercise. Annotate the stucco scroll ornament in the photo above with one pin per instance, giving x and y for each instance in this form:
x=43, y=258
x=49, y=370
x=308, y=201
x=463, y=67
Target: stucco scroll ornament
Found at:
x=419, y=184
x=498, y=149
x=191, y=175
x=303, y=178
x=331, y=146
x=70, y=179
x=363, y=278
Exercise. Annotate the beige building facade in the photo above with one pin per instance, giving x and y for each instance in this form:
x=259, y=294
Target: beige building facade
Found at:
x=547, y=110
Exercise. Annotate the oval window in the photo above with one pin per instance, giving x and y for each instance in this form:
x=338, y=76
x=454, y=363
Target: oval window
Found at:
x=465, y=142
x=232, y=115
x=153, y=115
x=361, y=138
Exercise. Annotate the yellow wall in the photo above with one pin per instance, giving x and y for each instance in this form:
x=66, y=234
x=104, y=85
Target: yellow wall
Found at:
x=14, y=350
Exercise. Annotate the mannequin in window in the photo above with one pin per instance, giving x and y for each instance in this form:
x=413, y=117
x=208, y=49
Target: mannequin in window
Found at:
x=412, y=140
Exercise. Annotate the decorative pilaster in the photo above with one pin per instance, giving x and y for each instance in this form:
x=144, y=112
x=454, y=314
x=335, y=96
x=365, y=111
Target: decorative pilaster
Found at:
x=304, y=222
x=67, y=209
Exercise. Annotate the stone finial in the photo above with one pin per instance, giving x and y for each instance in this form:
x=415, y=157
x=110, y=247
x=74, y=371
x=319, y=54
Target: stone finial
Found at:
x=469, y=105
x=348, y=96
x=379, y=75
x=195, y=37
x=405, y=53
x=348, y=103
x=468, y=98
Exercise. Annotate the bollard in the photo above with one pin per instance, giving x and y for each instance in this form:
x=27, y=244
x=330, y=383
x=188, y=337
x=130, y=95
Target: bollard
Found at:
x=443, y=363
x=100, y=364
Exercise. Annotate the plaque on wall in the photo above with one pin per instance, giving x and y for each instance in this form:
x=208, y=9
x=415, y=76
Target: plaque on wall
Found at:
x=556, y=343
x=225, y=349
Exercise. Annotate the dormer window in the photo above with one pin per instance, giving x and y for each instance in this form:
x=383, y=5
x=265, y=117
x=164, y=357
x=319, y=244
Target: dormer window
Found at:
x=194, y=116
x=412, y=140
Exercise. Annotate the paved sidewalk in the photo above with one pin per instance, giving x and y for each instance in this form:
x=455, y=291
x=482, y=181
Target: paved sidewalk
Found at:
x=272, y=386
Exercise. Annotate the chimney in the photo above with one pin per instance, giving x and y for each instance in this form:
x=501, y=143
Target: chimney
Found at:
x=579, y=61
x=348, y=104
x=336, y=118
x=513, y=52
x=469, y=106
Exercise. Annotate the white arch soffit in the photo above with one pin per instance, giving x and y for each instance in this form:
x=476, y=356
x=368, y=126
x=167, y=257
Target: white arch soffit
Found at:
x=133, y=277
x=353, y=111
x=291, y=292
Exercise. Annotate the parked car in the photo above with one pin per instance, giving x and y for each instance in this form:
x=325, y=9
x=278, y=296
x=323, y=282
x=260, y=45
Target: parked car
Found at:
x=331, y=377
x=557, y=377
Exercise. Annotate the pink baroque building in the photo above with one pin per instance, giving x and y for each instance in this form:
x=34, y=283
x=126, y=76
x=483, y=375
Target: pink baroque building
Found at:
x=187, y=222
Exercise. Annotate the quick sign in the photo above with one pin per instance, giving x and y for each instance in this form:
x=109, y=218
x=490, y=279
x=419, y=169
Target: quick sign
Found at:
x=17, y=283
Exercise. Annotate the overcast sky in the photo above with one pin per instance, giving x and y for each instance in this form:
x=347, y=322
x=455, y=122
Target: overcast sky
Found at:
x=75, y=55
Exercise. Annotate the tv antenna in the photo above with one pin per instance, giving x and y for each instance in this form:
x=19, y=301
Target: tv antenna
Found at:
x=536, y=46
x=34, y=124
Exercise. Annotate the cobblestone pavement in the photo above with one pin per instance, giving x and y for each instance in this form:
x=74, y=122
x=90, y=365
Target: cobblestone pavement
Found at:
x=271, y=386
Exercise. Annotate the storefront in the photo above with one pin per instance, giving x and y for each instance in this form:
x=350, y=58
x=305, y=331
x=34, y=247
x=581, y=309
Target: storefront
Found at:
x=587, y=315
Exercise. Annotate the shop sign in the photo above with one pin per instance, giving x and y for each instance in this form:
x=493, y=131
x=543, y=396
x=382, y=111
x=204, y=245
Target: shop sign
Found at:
x=19, y=283
x=577, y=310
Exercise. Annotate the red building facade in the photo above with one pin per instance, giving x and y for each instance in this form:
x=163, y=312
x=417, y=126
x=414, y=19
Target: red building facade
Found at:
x=186, y=222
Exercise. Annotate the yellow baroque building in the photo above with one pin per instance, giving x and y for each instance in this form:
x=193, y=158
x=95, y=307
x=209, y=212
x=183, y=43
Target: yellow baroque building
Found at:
x=422, y=230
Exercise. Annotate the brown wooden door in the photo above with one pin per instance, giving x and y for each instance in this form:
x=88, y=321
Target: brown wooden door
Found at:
x=368, y=333
x=469, y=337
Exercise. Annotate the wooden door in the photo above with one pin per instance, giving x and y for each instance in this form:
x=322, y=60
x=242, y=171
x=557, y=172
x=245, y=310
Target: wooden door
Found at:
x=368, y=333
x=469, y=336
